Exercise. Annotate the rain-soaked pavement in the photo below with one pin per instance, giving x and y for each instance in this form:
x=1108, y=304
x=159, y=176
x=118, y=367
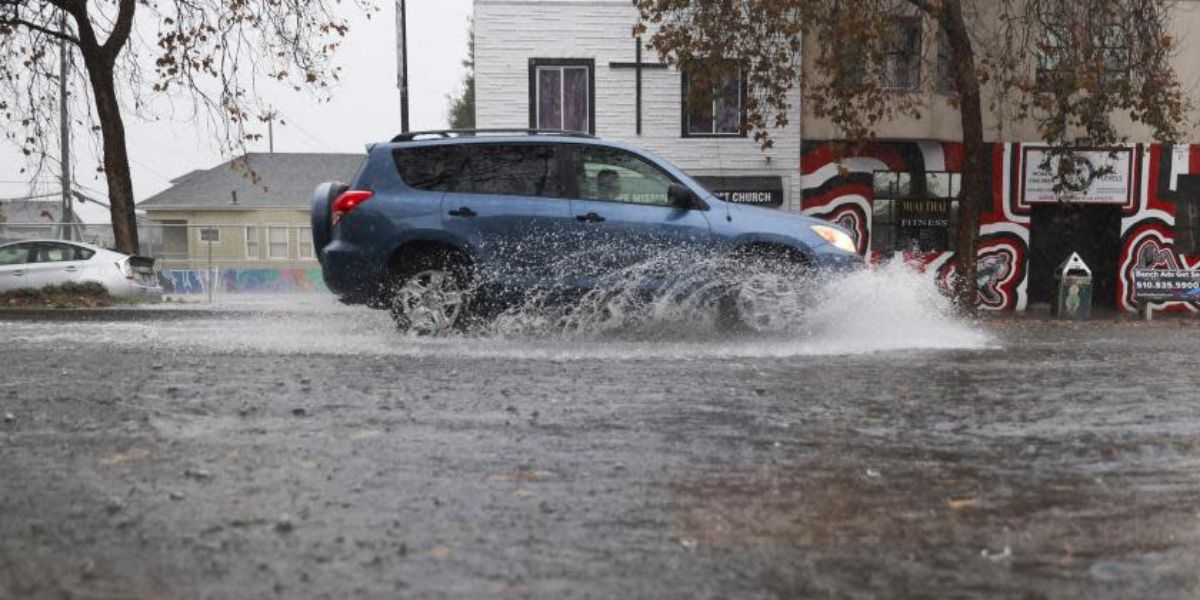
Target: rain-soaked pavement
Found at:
x=296, y=448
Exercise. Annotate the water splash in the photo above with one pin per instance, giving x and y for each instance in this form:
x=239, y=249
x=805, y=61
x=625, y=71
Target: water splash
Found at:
x=888, y=308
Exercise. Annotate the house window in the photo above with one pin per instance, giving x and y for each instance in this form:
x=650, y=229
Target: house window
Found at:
x=902, y=55
x=914, y=211
x=210, y=234
x=561, y=94
x=277, y=243
x=713, y=105
x=252, y=242
x=305, y=243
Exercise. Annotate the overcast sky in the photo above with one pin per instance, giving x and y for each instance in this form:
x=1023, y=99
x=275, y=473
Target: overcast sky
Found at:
x=365, y=106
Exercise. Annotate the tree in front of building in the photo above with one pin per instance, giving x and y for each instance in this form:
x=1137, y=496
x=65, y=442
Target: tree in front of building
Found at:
x=1068, y=66
x=462, y=107
x=199, y=60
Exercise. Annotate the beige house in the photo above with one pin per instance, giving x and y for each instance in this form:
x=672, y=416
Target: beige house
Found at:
x=249, y=213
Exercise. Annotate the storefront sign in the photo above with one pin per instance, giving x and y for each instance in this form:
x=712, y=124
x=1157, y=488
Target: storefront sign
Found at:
x=760, y=191
x=925, y=223
x=1096, y=177
x=1166, y=284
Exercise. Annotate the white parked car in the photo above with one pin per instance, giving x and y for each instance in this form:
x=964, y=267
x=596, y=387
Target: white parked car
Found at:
x=39, y=263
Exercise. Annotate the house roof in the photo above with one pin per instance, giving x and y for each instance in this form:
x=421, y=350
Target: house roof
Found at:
x=281, y=180
x=34, y=211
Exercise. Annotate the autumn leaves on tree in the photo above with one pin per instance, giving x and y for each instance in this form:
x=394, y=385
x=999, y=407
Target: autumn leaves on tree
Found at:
x=1071, y=68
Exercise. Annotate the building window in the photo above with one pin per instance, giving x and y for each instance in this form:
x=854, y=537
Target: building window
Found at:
x=561, y=94
x=714, y=105
x=305, y=243
x=945, y=83
x=914, y=211
x=1111, y=45
x=1187, y=228
x=210, y=234
x=277, y=243
x=1114, y=47
x=1187, y=216
x=902, y=56
x=1051, y=55
x=252, y=242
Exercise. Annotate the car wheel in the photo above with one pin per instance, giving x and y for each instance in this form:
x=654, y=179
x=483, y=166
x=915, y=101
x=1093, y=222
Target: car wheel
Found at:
x=430, y=295
x=764, y=293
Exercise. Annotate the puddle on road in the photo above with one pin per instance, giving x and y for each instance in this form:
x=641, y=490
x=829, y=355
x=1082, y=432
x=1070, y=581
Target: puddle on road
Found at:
x=885, y=309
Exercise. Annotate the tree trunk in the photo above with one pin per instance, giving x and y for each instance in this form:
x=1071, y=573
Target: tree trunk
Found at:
x=116, y=155
x=966, y=292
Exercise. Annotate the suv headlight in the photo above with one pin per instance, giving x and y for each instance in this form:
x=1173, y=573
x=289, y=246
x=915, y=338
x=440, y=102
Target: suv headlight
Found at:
x=836, y=237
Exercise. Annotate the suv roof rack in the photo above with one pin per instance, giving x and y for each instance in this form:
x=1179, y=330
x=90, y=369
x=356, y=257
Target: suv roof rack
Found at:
x=412, y=135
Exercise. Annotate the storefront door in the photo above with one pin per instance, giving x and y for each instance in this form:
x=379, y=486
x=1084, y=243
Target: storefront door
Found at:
x=1092, y=230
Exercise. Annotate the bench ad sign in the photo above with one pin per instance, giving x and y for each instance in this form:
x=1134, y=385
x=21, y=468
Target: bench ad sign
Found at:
x=1167, y=284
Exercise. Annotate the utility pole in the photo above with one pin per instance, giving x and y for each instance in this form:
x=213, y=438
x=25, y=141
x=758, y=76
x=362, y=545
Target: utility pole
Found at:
x=402, y=66
x=67, y=232
x=270, y=137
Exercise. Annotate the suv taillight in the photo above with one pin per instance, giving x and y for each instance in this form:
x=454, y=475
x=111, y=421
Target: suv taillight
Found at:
x=347, y=202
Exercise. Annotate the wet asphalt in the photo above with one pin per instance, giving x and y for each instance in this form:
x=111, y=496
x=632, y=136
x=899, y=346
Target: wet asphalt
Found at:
x=249, y=454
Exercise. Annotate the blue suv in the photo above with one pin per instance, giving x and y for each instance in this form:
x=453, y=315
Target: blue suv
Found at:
x=439, y=224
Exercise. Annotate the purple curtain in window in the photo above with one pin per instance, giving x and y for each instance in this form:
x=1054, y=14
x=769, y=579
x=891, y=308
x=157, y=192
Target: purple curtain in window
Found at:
x=700, y=118
x=549, y=99
x=728, y=107
x=575, y=99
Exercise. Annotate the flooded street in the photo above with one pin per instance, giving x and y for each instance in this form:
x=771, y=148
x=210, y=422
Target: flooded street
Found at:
x=296, y=448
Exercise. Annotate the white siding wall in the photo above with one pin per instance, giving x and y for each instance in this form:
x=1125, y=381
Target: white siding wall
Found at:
x=510, y=32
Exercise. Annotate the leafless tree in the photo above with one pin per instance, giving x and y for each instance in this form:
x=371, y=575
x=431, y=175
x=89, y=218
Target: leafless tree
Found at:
x=205, y=59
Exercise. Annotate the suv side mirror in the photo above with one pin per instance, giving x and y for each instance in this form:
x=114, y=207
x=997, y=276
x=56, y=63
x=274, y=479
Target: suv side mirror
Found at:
x=681, y=196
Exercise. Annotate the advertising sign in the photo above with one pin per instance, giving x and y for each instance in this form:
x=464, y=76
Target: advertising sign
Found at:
x=925, y=222
x=1096, y=177
x=1166, y=284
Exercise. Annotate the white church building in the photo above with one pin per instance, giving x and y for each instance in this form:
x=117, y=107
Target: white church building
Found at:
x=574, y=65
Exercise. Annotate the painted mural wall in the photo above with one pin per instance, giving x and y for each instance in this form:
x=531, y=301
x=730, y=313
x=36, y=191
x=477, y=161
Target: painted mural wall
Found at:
x=841, y=188
x=195, y=281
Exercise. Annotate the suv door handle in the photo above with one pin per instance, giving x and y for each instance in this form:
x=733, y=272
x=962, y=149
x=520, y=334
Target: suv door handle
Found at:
x=18, y=273
x=464, y=211
x=71, y=269
x=590, y=218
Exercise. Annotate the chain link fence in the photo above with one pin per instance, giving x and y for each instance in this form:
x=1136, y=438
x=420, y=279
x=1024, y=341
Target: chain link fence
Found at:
x=205, y=259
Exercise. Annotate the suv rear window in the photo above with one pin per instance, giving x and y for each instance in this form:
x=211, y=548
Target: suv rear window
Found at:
x=500, y=169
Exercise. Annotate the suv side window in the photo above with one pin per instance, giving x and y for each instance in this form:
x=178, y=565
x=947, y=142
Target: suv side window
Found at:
x=430, y=168
x=497, y=169
x=618, y=176
x=17, y=254
x=510, y=170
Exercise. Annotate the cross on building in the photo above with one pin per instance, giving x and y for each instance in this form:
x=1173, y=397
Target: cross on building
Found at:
x=637, y=65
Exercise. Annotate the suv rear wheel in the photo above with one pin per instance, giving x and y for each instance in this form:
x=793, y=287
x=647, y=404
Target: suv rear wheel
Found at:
x=430, y=294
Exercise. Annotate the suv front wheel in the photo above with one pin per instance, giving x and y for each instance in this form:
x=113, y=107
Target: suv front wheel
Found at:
x=765, y=292
x=430, y=294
